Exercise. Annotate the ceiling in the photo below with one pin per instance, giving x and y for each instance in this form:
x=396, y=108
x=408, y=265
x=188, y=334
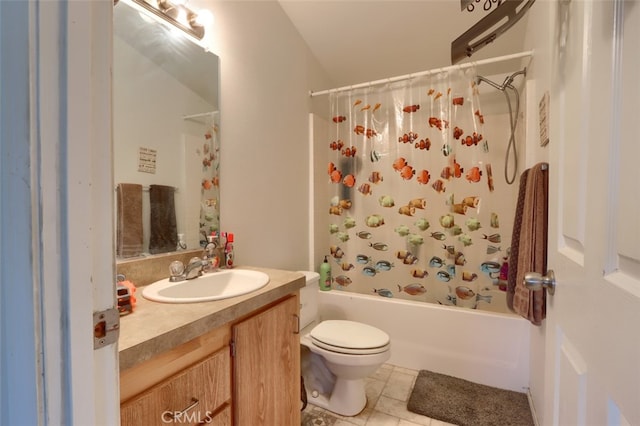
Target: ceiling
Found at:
x=357, y=41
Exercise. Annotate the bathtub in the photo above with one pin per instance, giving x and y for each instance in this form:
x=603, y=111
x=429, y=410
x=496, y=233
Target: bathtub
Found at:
x=482, y=347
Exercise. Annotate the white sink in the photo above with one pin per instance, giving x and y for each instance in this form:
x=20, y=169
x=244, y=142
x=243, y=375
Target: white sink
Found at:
x=212, y=286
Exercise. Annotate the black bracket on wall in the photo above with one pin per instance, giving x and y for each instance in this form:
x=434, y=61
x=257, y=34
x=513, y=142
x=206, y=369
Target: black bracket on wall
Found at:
x=483, y=32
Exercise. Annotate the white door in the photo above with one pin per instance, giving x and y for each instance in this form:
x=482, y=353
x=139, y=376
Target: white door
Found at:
x=592, y=363
x=56, y=218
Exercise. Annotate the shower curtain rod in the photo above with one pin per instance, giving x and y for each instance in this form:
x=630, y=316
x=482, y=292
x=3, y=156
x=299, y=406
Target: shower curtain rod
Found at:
x=525, y=54
x=202, y=114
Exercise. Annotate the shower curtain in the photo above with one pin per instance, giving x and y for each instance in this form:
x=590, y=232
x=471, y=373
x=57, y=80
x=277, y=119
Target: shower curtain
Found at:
x=414, y=209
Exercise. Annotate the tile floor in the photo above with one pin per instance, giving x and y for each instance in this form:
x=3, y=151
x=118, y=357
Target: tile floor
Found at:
x=388, y=390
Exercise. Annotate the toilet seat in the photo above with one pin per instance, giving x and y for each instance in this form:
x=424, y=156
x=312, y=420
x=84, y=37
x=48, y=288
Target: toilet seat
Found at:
x=349, y=337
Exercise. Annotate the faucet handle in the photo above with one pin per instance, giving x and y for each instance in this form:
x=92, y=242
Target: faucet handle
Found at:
x=176, y=268
x=194, y=260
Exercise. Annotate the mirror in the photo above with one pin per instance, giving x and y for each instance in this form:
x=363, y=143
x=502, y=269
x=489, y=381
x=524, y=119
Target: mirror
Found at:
x=166, y=120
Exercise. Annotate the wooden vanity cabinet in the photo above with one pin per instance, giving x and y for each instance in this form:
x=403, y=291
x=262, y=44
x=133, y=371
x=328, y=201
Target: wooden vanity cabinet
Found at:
x=246, y=372
x=266, y=367
x=197, y=395
x=158, y=391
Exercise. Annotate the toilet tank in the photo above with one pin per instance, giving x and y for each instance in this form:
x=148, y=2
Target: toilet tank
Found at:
x=309, y=298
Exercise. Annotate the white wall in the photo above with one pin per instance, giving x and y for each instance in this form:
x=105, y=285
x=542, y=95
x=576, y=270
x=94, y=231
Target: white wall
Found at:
x=267, y=72
x=539, y=38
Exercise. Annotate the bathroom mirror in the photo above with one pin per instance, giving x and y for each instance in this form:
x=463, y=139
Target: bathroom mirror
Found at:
x=166, y=120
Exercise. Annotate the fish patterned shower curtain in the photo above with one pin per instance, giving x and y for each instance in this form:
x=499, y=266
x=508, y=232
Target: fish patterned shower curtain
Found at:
x=413, y=207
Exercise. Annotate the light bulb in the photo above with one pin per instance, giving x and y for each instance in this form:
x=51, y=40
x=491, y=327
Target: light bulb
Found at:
x=204, y=18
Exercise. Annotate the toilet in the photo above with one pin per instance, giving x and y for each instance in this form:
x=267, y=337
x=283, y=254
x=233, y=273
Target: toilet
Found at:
x=337, y=355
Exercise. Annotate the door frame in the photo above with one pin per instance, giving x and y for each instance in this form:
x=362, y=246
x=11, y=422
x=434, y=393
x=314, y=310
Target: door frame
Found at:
x=57, y=213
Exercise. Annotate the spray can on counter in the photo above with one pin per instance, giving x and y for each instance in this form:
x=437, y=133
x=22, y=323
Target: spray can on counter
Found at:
x=228, y=251
x=325, y=275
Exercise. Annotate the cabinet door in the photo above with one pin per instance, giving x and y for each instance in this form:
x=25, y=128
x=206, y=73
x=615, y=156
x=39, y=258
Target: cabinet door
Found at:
x=267, y=367
x=193, y=396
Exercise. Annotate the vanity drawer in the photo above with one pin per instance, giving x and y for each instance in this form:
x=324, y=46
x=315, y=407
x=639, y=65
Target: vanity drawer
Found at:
x=223, y=418
x=193, y=396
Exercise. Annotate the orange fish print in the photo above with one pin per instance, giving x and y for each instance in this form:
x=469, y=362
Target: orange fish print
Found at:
x=339, y=118
x=349, y=152
x=360, y=130
x=423, y=177
x=452, y=171
x=407, y=210
x=399, y=164
x=336, y=145
x=345, y=204
x=336, y=210
x=468, y=141
x=411, y=108
x=457, y=132
x=419, y=273
x=349, y=181
x=408, y=137
x=480, y=116
x=458, y=101
x=457, y=170
x=464, y=293
x=375, y=177
x=376, y=107
x=446, y=173
x=365, y=189
x=407, y=172
x=472, y=140
x=436, y=122
x=336, y=176
x=331, y=168
x=423, y=144
x=474, y=174
x=357, y=102
x=439, y=186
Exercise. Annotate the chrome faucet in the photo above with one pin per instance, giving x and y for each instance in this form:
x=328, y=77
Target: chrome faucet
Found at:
x=193, y=270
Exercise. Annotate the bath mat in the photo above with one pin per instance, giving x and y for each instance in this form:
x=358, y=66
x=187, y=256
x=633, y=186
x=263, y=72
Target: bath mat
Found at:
x=317, y=418
x=465, y=403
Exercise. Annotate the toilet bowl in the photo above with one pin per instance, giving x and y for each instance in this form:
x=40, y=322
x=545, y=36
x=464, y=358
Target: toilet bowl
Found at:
x=337, y=356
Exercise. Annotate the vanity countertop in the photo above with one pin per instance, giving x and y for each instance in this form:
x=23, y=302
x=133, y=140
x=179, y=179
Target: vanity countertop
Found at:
x=154, y=328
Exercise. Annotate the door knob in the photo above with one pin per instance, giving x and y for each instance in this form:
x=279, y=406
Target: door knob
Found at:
x=535, y=281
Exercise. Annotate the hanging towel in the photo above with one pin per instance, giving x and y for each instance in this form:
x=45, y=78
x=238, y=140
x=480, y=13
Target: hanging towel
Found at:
x=515, y=241
x=163, y=231
x=129, y=220
x=532, y=245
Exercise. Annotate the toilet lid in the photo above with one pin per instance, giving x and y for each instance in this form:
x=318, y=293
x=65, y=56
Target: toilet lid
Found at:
x=349, y=337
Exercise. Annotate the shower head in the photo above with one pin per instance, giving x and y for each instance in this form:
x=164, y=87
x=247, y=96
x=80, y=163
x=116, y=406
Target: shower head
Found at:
x=509, y=79
x=506, y=83
x=480, y=79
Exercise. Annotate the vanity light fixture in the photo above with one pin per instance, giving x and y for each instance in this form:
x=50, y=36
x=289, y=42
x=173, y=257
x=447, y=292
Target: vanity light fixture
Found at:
x=176, y=13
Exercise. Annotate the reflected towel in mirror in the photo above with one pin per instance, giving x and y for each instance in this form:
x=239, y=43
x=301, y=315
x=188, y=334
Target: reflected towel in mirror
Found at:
x=163, y=230
x=129, y=220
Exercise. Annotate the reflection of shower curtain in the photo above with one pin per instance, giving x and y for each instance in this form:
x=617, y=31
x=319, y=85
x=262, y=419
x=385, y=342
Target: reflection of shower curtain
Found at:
x=210, y=191
x=412, y=213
